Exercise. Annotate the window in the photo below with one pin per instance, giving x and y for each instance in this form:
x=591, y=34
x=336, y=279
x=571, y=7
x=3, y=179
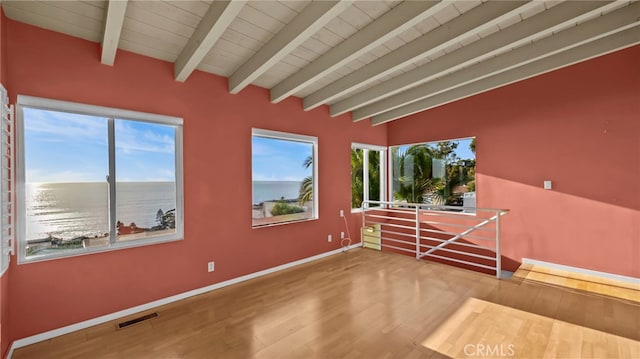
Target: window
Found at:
x=370, y=184
x=438, y=173
x=93, y=178
x=284, y=172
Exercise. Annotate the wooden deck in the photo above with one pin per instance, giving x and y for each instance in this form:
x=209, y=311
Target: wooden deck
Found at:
x=368, y=304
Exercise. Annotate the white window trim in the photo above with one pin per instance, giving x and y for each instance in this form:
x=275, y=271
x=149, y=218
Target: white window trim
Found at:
x=107, y=112
x=365, y=174
x=298, y=138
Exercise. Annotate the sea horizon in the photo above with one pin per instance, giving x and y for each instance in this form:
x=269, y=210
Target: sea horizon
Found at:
x=273, y=190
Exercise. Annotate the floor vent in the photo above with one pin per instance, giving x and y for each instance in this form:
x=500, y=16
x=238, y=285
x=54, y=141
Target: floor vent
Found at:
x=137, y=320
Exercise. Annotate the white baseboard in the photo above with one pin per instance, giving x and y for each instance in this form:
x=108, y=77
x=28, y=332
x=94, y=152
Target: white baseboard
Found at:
x=156, y=303
x=606, y=275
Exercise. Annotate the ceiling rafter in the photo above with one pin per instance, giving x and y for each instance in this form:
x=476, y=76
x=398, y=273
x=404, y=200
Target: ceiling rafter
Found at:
x=390, y=24
x=603, y=46
x=543, y=23
x=304, y=25
x=476, y=20
x=615, y=21
x=215, y=21
x=380, y=60
x=114, y=19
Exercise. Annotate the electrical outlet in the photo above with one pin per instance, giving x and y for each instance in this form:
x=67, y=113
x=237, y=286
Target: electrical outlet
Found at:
x=341, y=235
x=329, y=239
x=211, y=266
x=341, y=213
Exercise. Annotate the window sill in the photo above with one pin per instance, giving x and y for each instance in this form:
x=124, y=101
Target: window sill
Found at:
x=283, y=223
x=114, y=247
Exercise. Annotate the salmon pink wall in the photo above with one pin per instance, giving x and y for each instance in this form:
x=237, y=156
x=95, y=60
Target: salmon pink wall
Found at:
x=578, y=127
x=217, y=181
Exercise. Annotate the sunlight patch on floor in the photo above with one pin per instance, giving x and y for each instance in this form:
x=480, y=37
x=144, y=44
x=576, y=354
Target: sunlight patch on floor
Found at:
x=481, y=329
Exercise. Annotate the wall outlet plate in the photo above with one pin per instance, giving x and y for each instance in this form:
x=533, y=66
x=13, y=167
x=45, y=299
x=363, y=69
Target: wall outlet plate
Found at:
x=211, y=266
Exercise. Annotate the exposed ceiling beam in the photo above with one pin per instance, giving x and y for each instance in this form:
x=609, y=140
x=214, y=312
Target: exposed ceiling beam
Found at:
x=112, y=28
x=304, y=25
x=477, y=19
x=599, y=27
x=520, y=33
x=213, y=24
x=611, y=43
x=387, y=26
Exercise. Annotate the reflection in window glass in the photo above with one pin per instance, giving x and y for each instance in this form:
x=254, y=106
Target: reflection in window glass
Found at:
x=438, y=173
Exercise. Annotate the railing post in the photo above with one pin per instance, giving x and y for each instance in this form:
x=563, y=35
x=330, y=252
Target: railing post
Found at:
x=417, y=232
x=498, y=256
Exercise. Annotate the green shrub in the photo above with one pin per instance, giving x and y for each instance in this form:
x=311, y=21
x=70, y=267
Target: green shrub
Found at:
x=282, y=208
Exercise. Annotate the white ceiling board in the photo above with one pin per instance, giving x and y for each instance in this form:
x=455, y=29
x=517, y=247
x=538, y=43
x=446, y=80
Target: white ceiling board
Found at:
x=355, y=17
x=581, y=53
x=212, y=26
x=92, y=10
x=277, y=9
x=522, y=32
x=144, y=49
x=572, y=37
x=198, y=8
x=48, y=16
x=374, y=9
x=162, y=29
x=299, y=29
x=178, y=12
x=444, y=37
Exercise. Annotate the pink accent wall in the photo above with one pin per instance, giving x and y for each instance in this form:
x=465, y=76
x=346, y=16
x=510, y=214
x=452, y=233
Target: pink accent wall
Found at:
x=580, y=128
x=217, y=181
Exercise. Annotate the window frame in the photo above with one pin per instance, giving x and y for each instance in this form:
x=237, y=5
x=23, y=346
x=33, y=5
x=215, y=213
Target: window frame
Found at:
x=286, y=136
x=384, y=150
x=24, y=101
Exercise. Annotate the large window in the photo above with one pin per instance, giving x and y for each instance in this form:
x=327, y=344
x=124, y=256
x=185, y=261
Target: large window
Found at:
x=367, y=175
x=438, y=173
x=94, y=178
x=284, y=172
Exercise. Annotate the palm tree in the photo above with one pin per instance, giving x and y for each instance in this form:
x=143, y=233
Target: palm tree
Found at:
x=357, y=176
x=306, y=187
x=412, y=180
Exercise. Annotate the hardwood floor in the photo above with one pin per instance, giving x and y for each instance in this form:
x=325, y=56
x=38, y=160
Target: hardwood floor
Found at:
x=369, y=304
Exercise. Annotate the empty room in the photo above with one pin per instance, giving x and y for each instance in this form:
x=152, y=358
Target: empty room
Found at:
x=320, y=179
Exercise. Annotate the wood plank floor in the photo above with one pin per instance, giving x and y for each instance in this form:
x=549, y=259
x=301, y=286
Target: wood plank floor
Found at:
x=369, y=304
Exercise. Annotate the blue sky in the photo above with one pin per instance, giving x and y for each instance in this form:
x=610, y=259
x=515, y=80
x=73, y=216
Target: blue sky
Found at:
x=279, y=160
x=63, y=147
x=462, y=151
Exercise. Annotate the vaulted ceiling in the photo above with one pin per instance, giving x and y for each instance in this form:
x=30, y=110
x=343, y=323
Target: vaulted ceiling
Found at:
x=377, y=59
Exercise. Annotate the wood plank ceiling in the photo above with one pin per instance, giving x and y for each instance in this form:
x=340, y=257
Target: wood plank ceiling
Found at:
x=377, y=59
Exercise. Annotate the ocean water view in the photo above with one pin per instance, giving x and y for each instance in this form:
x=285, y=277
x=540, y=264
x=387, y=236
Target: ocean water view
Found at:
x=274, y=190
x=71, y=210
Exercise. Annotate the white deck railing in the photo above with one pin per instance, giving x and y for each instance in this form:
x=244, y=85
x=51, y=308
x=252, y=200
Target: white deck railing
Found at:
x=465, y=235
